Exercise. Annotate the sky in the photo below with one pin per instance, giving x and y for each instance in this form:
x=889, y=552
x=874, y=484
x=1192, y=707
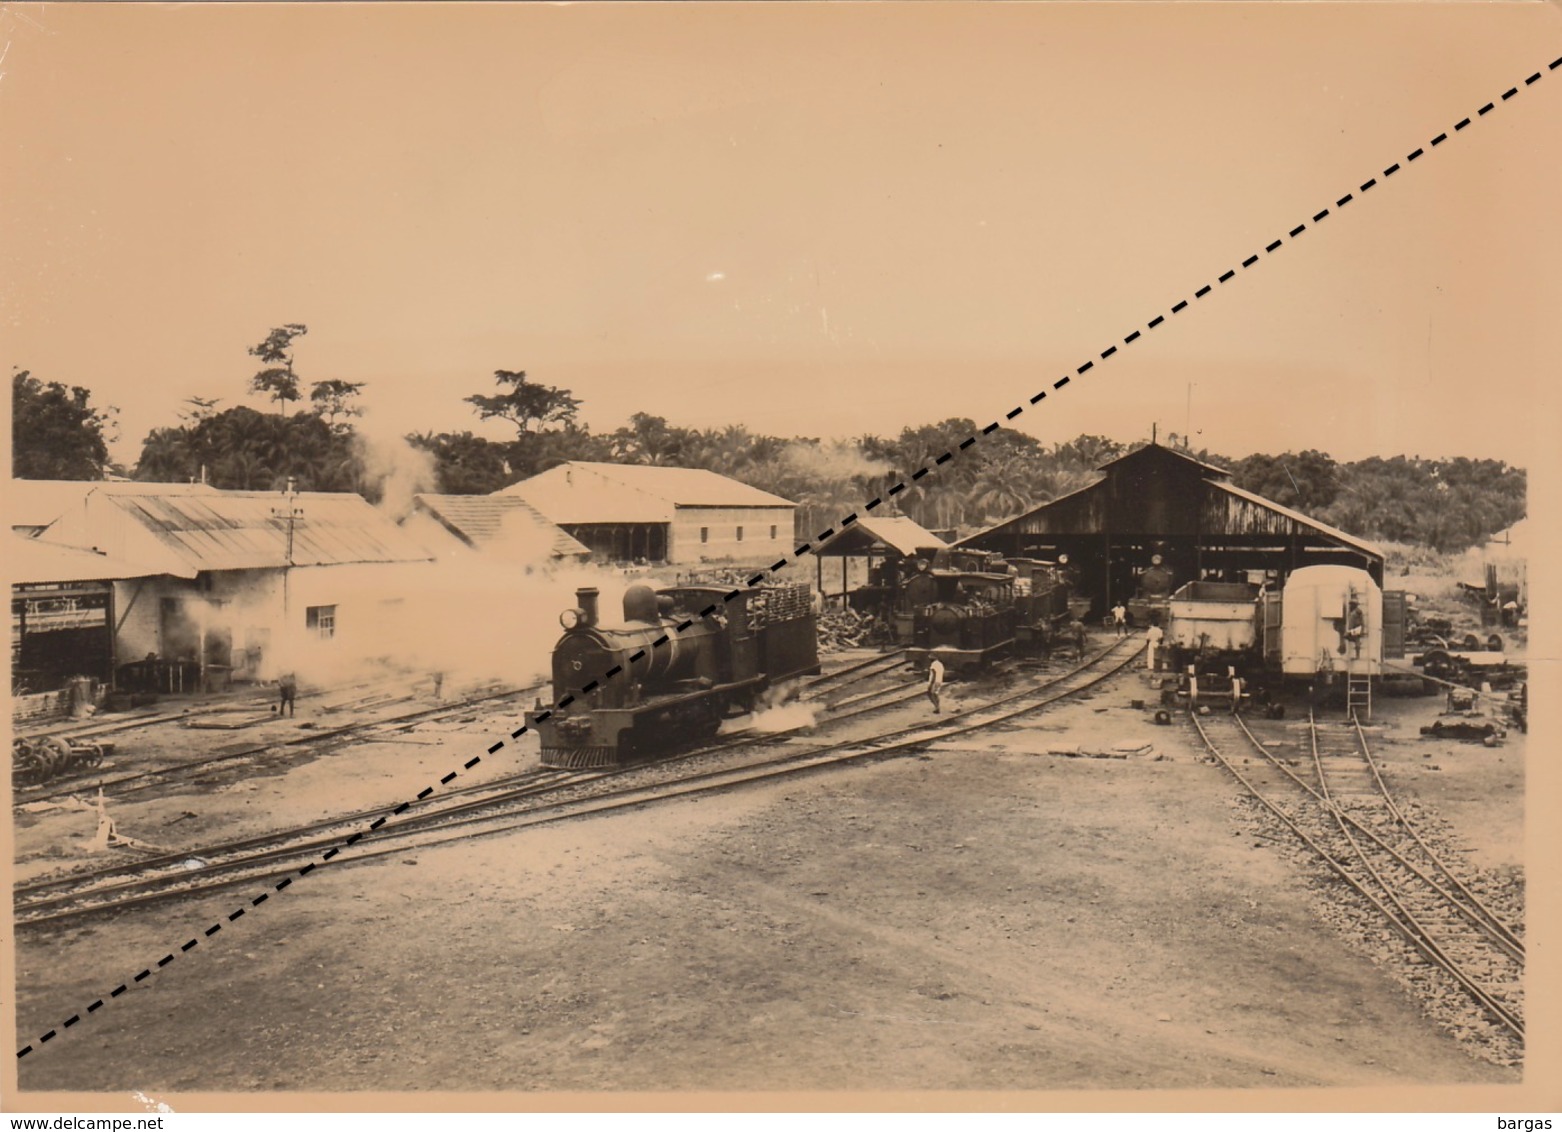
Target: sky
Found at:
x=813, y=220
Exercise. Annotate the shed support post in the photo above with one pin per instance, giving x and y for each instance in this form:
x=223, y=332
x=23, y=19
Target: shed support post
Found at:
x=1107, y=557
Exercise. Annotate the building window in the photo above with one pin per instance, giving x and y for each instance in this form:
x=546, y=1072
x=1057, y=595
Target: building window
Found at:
x=740, y=534
x=321, y=621
x=705, y=534
x=772, y=532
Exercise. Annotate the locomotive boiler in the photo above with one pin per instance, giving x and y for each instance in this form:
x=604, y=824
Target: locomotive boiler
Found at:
x=682, y=660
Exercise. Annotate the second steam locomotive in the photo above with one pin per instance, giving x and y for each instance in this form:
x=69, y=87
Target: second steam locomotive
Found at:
x=969, y=608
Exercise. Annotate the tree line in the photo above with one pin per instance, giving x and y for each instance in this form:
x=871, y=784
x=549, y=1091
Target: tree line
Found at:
x=1448, y=505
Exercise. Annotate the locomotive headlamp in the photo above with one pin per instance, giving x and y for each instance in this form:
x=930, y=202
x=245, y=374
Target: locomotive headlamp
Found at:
x=1062, y=560
x=1155, y=560
x=572, y=618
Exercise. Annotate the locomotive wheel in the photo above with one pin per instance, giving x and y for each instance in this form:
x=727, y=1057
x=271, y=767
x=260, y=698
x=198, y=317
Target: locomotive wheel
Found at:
x=59, y=756
x=26, y=766
x=1494, y=643
x=1471, y=642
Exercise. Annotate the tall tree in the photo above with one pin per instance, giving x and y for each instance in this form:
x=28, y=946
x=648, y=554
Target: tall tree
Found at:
x=277, y=380
x=1308, y=481
x=56, y=434
x=528, y=405
x=336, y=398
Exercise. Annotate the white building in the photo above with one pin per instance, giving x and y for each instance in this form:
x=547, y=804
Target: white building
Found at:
x=679, y=516
x=242, y=584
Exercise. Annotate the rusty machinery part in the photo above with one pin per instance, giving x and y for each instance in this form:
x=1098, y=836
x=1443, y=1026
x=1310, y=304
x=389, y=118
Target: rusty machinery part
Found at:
x=40, y=760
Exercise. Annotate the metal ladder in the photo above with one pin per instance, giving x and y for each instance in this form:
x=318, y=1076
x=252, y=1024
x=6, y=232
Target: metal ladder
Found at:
x=1358, y=695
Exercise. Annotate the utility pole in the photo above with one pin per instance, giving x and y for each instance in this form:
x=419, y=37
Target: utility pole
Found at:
x=290, y=512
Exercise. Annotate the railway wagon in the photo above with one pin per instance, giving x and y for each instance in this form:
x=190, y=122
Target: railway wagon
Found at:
x=1041, y=603
x=1329, y=627
x=1331, y=621
x=1221, y=618
x=682, y=660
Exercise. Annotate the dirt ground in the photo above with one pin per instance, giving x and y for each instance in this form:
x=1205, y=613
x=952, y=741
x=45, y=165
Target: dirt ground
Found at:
x=989, y=914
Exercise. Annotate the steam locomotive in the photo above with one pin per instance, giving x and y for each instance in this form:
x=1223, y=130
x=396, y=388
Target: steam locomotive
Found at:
x=1150, y=604
x=684, y=659
x=968, y=607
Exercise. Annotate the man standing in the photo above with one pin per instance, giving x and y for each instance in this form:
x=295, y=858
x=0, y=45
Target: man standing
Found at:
x=1120, y=619
x=1152, y=636
x=935, y=684
x=1236, y=690
x=287, y=689
x=1076, y=630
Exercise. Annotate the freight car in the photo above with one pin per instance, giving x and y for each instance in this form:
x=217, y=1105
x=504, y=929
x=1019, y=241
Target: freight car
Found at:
x=1041, y=603
x=632, y=691
x=1328, y=627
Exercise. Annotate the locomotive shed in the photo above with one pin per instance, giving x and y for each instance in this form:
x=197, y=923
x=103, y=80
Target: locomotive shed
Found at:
x=1158, y=501
x=974, y=915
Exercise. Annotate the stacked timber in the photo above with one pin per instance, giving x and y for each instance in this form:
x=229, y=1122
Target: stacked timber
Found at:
x=846, y=629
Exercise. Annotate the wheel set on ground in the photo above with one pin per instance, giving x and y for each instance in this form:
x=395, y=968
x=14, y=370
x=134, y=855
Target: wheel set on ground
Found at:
x=40, y=760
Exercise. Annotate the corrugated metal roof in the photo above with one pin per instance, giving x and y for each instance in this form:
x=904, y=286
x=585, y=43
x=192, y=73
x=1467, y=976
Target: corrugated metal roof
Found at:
x=586, y=492
x=37, y=503
x=31, y=561
x=877, y=532
x=1298, y=518
x=484, y=520
x=246, y=530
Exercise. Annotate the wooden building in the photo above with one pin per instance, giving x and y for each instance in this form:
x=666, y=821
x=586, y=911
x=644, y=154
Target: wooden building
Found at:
x=1155, y=501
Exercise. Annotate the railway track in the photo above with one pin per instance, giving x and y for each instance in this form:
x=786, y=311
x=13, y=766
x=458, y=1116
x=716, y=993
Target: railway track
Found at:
x=1341, y=809
x=855, y=673
x=524, y=800
x=126, y=785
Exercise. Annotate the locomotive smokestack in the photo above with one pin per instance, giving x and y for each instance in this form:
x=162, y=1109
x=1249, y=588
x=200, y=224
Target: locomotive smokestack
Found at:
x=586, y=600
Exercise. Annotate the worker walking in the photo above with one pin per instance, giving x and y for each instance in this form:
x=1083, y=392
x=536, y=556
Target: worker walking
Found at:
x=1236, y=690
x=935, y=684
x=287, y=691
x=1076, y=630
x=1120, y=619
x=1152, y=636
